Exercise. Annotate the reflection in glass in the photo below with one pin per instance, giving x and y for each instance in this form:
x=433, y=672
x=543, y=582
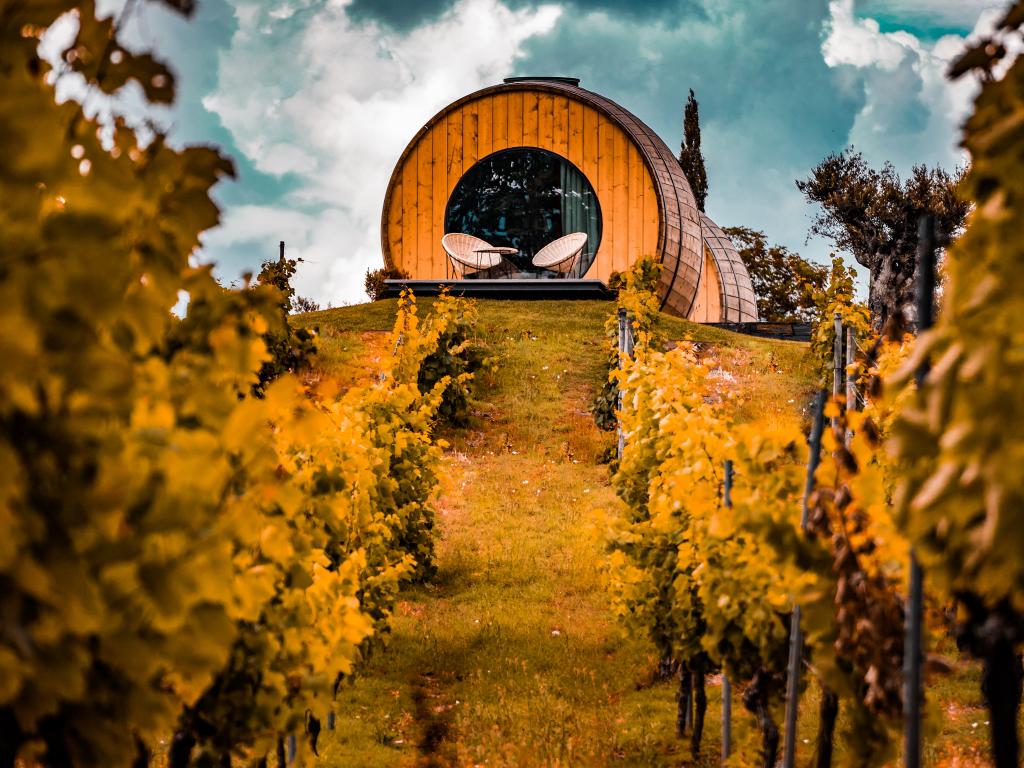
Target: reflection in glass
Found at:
x=525, y=198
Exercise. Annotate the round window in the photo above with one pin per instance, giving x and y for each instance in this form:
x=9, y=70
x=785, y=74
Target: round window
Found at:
x=525, y=198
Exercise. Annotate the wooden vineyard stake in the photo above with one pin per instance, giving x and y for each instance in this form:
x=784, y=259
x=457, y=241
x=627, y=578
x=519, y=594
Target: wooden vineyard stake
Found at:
x=912, y=644
x=726, y=686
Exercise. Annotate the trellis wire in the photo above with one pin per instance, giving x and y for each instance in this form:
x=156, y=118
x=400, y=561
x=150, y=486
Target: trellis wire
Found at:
x=912, y=641
x=796, y=640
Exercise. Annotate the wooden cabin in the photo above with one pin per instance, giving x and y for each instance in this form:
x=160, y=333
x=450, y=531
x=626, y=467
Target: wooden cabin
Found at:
x=525, y=162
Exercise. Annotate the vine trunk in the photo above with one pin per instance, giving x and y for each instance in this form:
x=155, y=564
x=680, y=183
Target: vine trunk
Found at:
x=1001, y=681
x=700, y=706
x=828, y=711
x=683, y=699
x=756, y=699
x=10, y=738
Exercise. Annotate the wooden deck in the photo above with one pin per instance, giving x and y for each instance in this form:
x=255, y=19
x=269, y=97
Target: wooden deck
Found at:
x=505, y=289
x=784, y=331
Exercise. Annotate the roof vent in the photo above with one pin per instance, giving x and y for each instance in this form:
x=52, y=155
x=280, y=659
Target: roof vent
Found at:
x=564, y=80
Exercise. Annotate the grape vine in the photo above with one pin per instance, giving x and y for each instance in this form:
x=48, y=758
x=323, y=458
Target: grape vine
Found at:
x=636, y=295
x=960, y=494
x=714, y=586
x=180, y=557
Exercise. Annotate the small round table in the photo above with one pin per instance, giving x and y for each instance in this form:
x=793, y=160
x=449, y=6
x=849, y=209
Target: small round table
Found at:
x=500, y=251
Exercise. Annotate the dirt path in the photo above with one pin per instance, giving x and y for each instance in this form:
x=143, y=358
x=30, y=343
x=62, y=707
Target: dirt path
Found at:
x=512, y=656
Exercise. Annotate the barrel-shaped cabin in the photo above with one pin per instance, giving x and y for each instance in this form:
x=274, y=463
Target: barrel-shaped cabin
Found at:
x=521, y=166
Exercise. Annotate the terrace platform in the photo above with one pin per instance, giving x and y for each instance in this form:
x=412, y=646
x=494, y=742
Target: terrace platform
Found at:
x=783, y=331
x=551, y=290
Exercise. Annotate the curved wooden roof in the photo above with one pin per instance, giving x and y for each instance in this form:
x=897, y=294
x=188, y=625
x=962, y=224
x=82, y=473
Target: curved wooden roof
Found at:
x=739, y=302
x=679, y=236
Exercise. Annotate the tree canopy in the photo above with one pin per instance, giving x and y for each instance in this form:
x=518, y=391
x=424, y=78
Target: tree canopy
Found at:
x=785, y=282
x=690, y=157
x=873, y=215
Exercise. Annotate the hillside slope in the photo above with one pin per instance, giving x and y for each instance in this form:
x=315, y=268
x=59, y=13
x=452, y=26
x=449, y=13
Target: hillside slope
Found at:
x=511, y=656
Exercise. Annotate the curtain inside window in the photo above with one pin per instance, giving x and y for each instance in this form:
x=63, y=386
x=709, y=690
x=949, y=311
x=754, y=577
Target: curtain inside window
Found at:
x=578, y=214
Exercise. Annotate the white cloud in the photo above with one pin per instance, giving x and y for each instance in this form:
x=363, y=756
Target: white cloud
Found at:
x=860, y=43
x=258, y=222
x=307, y=92
x=912, y=112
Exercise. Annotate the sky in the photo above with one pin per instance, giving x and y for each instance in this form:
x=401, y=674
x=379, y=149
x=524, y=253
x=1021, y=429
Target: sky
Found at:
x=316, y=99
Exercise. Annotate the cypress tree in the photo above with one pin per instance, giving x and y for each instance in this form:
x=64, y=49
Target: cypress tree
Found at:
x=690, y=157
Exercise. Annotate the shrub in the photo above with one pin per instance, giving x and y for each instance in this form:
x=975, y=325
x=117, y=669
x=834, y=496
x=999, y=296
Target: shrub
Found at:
x=374, y=282
x=445, y=348
x=302, y=304
x=291, y=349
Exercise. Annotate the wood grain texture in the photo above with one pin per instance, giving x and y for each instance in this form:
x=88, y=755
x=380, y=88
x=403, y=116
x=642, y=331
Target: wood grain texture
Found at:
x=546, y=118
x=439, y=142
x=531, y=119
x=485, y=109
x=560, y=115
x=621, y=202
x=590, y=143
x=424, y=196
x=454, y=164
x=652, y=218
x=707, y=308
x=606, y=196
x=470, y=135
x=499, y=122
x=409, y=217
x=516, y=123
x=393, y=226
x=635, y=199
x=737, y=301
x=575, y=134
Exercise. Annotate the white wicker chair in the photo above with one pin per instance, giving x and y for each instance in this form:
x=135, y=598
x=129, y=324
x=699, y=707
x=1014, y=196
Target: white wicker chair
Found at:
x=461, y=250
x=560, y=255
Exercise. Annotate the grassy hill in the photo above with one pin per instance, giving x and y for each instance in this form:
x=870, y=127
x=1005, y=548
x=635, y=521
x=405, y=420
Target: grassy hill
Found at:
x=511, y=656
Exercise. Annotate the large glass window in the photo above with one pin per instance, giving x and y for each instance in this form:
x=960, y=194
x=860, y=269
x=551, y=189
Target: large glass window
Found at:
x=525, y=198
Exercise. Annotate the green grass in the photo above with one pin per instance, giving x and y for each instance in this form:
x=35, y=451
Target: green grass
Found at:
x=511, y=656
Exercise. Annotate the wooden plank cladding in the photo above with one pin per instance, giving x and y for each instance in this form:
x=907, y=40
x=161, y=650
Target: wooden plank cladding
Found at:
x=646, y=205
x=737, y=302
x=599, y=148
